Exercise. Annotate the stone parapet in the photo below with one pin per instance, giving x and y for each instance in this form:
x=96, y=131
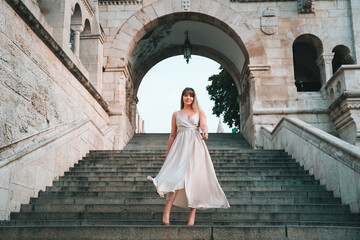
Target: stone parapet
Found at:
x=343, y=94
x=331, y=160
x=29, y=165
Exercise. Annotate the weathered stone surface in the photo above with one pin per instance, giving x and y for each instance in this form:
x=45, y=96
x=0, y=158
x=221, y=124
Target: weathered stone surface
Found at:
x=331, y=233
x=249, y=233
x=332, y=161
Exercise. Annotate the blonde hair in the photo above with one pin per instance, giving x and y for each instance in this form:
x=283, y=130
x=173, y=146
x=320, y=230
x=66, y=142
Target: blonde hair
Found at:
x=195, y=104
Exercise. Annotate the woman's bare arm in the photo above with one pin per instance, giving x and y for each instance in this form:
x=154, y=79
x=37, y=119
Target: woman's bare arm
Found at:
x=173, y=132
x=203, y=125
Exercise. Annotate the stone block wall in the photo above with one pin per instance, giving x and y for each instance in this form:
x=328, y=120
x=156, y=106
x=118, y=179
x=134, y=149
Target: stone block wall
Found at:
x=273, y=93
x=48, y=119
x=111, y=18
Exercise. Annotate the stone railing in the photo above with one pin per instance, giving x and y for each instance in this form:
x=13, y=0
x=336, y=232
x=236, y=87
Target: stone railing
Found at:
x=30, y=164
x=343, y=93
x=334, y=162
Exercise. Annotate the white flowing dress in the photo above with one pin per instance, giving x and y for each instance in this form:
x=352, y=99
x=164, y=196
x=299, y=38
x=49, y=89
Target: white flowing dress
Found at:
x=189, y=169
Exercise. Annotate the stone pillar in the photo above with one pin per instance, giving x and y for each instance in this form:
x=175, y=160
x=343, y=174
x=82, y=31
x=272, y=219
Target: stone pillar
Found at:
x=115, y=94
x=343, y=93
x=355, y=16
x=77, y=30
x=324, y=63
x=91, y=56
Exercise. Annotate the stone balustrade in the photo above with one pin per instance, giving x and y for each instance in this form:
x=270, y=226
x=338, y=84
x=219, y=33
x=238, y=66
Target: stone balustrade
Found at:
x=343, y=94
x=334, y=162
x=346, y=81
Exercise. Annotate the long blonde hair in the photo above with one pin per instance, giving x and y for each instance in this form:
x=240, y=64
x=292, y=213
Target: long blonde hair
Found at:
x=195, y=104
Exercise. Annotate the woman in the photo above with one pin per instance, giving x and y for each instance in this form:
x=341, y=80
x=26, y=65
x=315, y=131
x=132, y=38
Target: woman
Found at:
x=187, y=175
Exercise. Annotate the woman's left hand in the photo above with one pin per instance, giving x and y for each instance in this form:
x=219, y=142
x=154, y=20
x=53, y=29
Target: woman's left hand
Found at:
x=205, y=135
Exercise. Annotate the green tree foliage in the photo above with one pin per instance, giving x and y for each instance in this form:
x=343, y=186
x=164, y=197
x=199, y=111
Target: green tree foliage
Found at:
x=223, y=92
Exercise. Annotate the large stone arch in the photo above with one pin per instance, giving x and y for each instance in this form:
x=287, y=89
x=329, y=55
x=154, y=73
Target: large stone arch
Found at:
x=121, y=68
x=162, y=11
x=197, y=50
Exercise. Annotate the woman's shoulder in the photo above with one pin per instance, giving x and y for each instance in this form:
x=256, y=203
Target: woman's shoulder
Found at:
x=175, y=113
x=201, y=113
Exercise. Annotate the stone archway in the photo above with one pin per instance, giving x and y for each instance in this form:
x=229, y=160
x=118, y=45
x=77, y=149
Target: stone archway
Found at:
x=156, y=32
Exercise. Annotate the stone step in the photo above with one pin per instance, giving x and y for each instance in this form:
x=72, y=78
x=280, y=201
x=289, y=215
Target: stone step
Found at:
x=160, y=162
x=103, y=186
x=213, y=153
x=147, y=163
x=217, y=166
x=231, y=171
x=265, y=208
x=280, y=182
x=200, y=215
x=229, y=177
x=220, y=167
x=180, y=232
x=223, y=177
x=220, y=157
x=154, y=171
x=116, y=222
x=151, y=200
x=69, y=192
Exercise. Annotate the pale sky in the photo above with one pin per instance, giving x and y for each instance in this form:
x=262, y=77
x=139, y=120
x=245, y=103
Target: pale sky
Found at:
x=160, y=91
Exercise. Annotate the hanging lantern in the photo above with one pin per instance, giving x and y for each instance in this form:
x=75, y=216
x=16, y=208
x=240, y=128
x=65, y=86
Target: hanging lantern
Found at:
x=187, y=48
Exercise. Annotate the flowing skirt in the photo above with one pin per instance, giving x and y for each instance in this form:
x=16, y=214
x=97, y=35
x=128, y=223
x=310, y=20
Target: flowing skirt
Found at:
x=189, y=169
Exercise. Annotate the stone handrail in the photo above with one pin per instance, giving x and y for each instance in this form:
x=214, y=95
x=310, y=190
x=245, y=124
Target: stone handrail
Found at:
x=331, y=160
x=22, y=147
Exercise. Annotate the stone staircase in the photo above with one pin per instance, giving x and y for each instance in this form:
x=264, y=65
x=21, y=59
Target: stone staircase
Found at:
x=106, y=196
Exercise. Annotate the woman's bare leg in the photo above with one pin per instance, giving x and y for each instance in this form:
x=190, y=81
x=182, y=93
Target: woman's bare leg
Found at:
x=192, y=216
x=167, y=209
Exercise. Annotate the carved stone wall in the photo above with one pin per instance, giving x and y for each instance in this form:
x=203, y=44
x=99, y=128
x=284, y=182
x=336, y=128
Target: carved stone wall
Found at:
x=50, y=117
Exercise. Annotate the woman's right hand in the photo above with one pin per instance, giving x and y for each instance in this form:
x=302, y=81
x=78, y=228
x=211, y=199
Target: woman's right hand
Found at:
x=205, y=135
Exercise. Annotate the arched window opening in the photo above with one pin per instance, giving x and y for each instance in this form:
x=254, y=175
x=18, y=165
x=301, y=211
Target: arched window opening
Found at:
x=76, y=28
x=306, y=51
x=87, y=28
x=342, y=56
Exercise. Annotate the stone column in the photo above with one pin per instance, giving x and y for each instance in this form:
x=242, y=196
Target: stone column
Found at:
x=91, y=56
x=324, y=63
x=77, y=30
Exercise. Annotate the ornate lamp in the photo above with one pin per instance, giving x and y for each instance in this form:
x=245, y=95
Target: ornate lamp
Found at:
x=187, y=48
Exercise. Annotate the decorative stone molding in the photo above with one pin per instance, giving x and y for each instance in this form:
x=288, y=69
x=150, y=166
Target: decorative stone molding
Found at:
x=88, y=7
x=119, y=2
x=185, y=5
x=259, y=67
x=306, y=6
x=269, y=22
